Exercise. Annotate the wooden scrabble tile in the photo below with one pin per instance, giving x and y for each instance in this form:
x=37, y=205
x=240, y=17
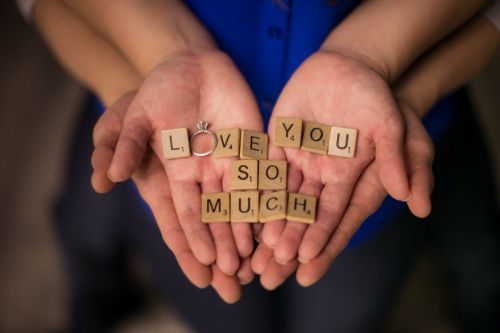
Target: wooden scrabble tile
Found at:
x=215, y=207
x=175, y=143
x=254, y=145
x=272, y=175
x=228, y=143
x=343, y=142
x=288, y=132
x=272, y=206
x=245, y=206
x=244, y=174
x=301, y=208
x=316, y=137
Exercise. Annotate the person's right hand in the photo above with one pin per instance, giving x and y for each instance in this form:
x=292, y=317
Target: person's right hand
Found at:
x=152, y=183
x=180, y=91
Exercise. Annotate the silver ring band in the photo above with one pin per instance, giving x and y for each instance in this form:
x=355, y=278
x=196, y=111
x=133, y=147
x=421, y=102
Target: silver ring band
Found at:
x=203, y=129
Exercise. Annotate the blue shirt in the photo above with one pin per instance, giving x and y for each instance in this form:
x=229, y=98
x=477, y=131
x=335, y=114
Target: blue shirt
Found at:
x=268, y=40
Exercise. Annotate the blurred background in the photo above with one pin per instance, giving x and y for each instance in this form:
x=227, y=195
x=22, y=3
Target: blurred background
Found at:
x=39, y=108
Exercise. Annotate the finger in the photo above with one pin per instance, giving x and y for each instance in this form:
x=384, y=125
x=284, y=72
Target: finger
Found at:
x=422, y=184
x=245, y=273
x=101, y=160
x=389, y=154
x=105, y=136
x=189, y=213
x=163, y=210
x=227, y=255
x=332, y=203
x=274, y=229
x=366, y=199
x=243, y=236
x=260, y=258
x=227, y=287
x=287, y=246
x=131, y=147
x=257, y=232
x=275, y=274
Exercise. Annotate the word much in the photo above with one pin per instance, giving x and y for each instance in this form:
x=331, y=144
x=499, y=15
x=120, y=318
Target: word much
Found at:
x=253, y=207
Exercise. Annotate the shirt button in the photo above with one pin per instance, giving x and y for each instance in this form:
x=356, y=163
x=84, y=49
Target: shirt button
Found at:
x=274, y=32
x=267, y=104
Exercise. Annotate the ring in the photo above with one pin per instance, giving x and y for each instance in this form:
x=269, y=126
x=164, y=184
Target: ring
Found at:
x=203, y=129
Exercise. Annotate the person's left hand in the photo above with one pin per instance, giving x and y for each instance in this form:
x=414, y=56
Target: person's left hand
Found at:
x=366, y=198
x=336, y=90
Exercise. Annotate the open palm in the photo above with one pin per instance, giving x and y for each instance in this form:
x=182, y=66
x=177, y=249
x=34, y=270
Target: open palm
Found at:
x=152, y=183
x=367, y=196
x=335, y=90
x=180, y=91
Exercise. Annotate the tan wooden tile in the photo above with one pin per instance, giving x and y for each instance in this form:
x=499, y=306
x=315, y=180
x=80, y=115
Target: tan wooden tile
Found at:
x=343, y=142
x=215, y=207
x=254, y=145
x=175, y=143
x=272, y=175
x=272, y=206
x=288, y=132
x=245, y=206
x=228, y=143
x=301, y=208
x=316, y=137
x=244, y=174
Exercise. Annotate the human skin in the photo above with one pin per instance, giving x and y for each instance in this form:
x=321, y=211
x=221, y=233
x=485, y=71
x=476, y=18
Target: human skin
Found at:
x=187, y=79
x=347, y=83
x=131, y=50
x=444, y=68
x=111, y=76
x=355, y=46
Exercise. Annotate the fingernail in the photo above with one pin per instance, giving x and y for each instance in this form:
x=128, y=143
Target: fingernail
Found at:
x=281, y=262
x=303, y=261
x=407, y=199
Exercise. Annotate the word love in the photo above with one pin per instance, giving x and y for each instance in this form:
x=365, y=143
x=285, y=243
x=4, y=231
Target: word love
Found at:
x=231, y=142
x=315, y=137
x=252, y=207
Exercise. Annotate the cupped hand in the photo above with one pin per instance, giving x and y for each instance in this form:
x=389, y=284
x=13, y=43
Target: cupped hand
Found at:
x=367, y=196
x=180, y=91
x=152, y=183
x=336, y=90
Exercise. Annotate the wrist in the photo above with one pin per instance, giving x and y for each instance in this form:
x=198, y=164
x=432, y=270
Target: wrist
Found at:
x=358, y=53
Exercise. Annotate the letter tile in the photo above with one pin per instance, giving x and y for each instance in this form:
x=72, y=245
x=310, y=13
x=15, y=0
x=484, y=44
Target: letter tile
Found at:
x=245, y=206
x=254, y=145
x=272, y=175
x=301, y=208
x=288, y=132
x=343, y=142
x=175, y=143
x=228, y=143
x=215, y=207
x=272, y=206
x=244, y=175
x=316, y=137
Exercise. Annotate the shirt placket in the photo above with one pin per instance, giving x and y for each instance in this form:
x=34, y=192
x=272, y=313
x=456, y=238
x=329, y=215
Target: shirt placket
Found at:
x=273, y=49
